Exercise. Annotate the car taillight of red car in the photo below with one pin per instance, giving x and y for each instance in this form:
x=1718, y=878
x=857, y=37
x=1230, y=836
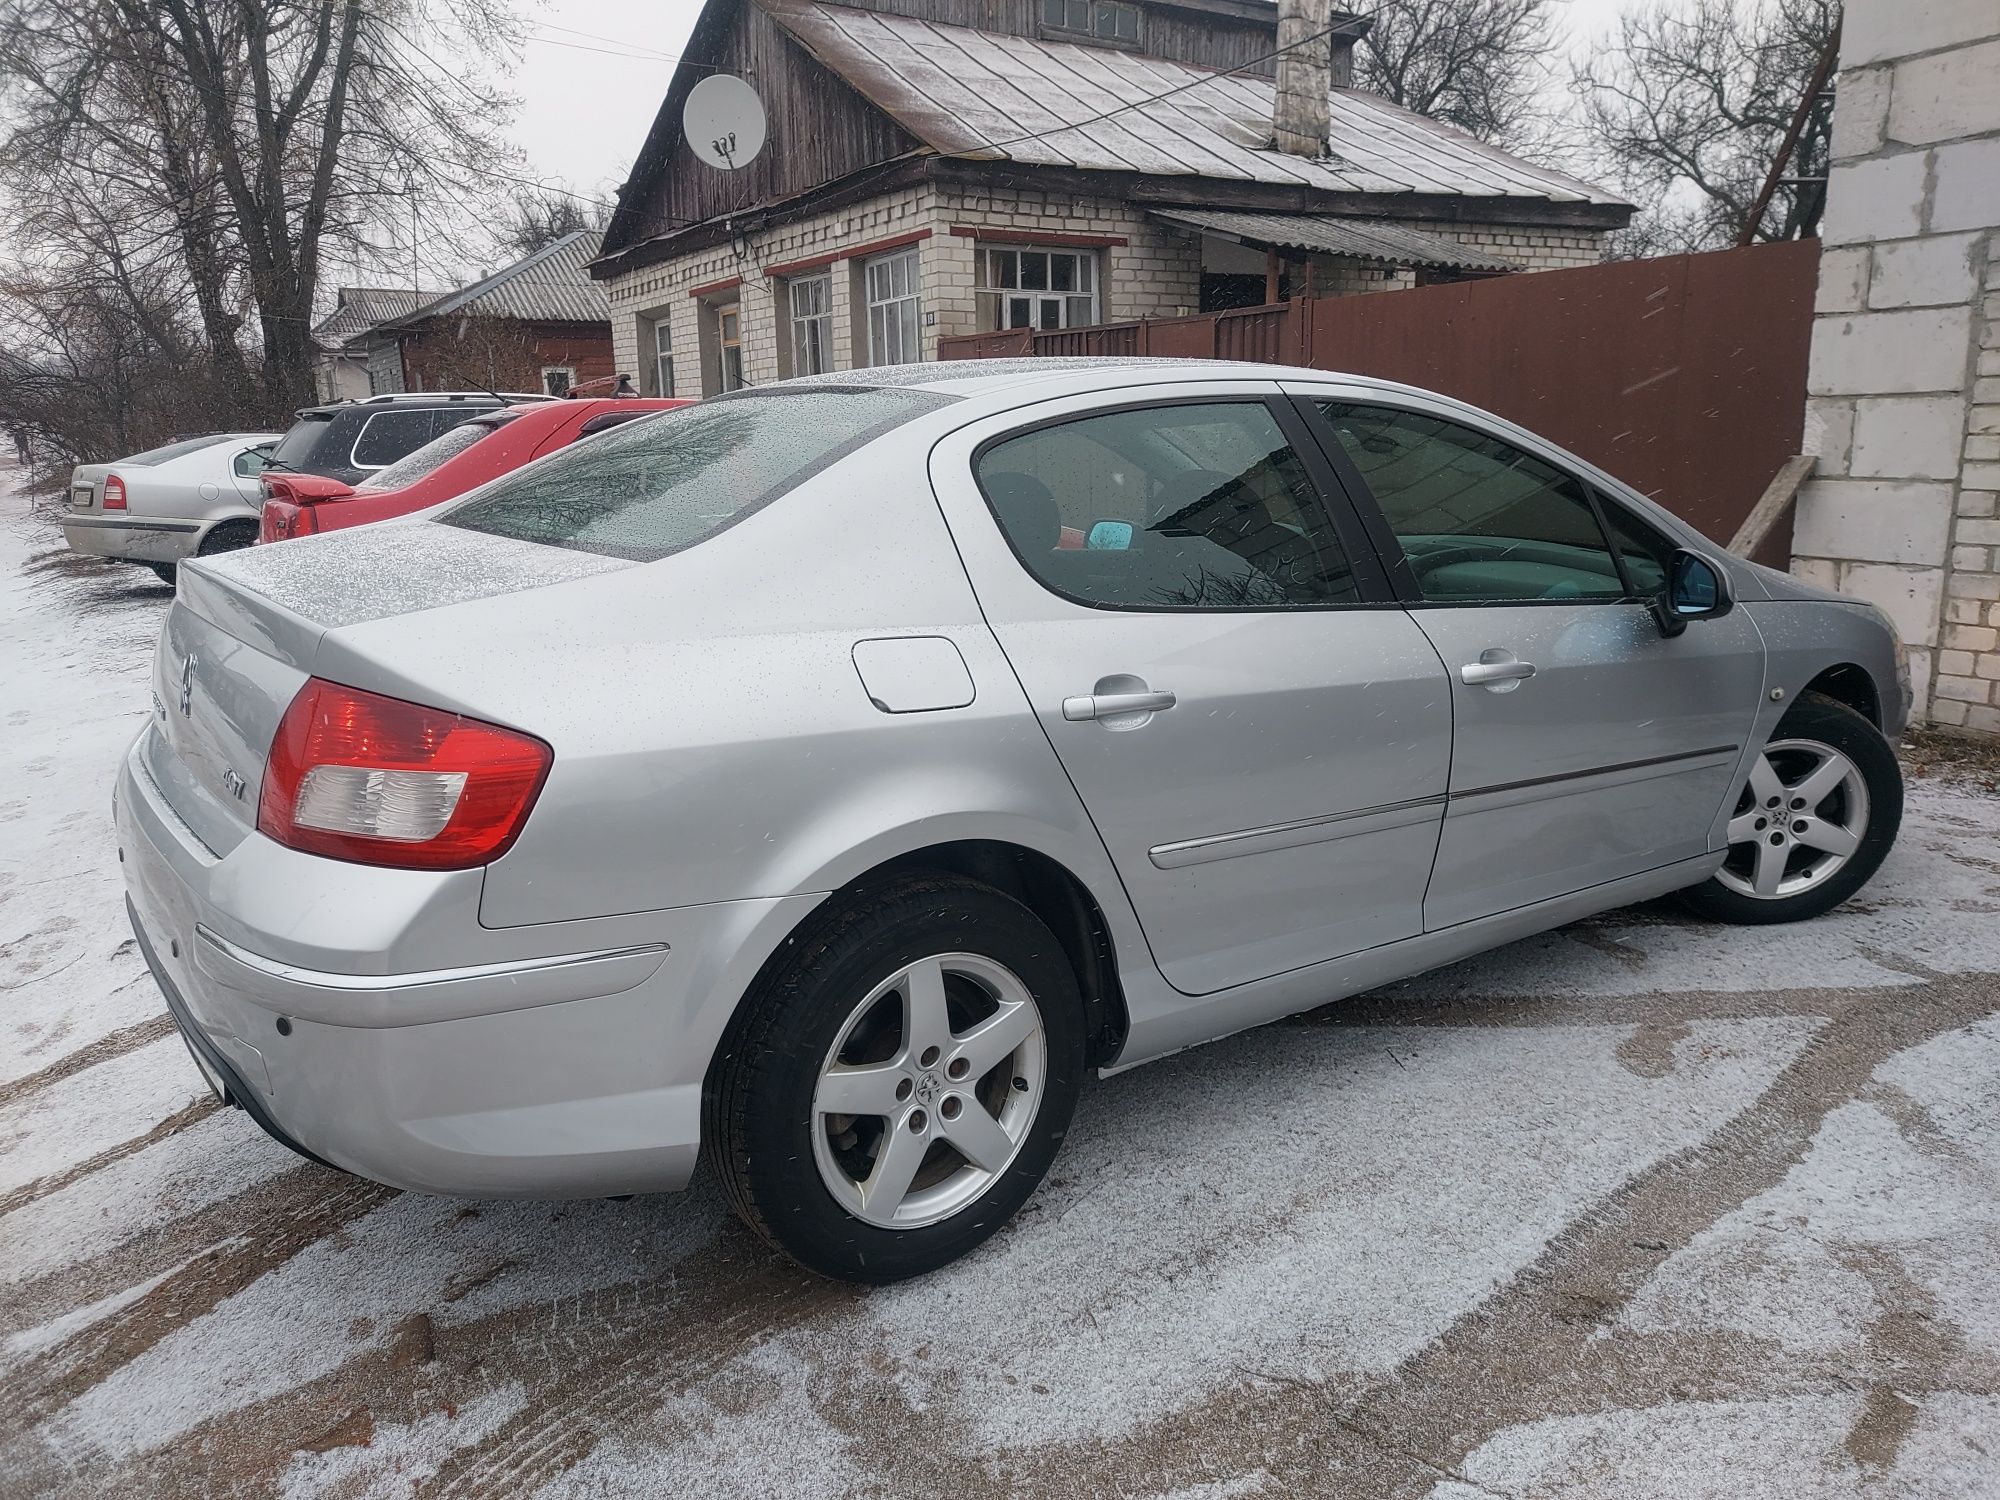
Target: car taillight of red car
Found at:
x=281, y=520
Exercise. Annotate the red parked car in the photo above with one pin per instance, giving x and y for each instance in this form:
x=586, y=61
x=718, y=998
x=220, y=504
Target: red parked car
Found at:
x=463, y=457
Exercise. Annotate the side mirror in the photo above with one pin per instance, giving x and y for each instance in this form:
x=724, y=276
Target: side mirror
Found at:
x=1695, y=590
x=1109, y=536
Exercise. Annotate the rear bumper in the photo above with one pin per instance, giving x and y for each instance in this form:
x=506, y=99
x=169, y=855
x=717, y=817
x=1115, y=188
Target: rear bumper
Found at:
x=136, y=539
x=565, y=1060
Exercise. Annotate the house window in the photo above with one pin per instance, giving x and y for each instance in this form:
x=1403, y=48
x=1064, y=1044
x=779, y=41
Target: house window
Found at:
x=1107, y=20
x=892, y=309
x=663, y=359
x=557, y=379
x=812, y=324
x=729, y=344
x=1021, y=288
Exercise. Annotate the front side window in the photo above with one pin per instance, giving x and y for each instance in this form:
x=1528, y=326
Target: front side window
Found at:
x=1025, y=288
x=811, y=300
x=652, y=488
x=1188, y=506
x=1478, y=519
x=892, y=309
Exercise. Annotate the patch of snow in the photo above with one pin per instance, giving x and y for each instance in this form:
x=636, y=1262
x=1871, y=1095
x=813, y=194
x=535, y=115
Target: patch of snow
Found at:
x=104, y=1105
x=400, y=1456
x=31, y=1341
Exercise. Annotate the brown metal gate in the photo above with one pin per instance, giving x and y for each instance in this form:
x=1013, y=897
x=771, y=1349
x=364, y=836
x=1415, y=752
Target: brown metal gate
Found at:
x=1684, y=376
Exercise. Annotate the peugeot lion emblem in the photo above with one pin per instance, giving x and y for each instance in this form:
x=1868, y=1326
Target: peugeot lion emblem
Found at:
x=187, y=682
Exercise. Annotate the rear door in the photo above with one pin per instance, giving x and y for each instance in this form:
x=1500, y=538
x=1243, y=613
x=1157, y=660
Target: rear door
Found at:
x=1259, y=735
x=1586, y=746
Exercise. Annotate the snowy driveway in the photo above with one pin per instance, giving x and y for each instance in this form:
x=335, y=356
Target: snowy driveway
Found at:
x=1641, y=1208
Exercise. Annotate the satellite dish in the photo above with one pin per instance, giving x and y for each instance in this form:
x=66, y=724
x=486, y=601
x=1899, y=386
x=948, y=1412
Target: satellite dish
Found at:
x=724, y=121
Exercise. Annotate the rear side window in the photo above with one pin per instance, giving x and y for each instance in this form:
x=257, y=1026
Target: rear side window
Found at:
x=172, y=450
x=654, y=488
x=389, y=435
x=1479, y=520
x=296, y=446
x=252, y=461
x=447, y=445
x=1187, y=506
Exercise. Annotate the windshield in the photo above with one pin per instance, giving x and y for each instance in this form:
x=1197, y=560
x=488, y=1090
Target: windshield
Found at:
x=454, y=441
x=658, y=487
x=174, y=450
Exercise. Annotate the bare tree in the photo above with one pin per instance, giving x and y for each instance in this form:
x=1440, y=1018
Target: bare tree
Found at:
x=1476, y=64
x=537, y=217
x=1687, y=103
x=242, y=138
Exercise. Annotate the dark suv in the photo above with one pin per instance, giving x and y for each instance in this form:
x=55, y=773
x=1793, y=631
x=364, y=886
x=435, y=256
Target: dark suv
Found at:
x=350, y=440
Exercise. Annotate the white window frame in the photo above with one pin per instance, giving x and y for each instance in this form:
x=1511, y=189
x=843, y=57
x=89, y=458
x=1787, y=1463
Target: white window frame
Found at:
x=568, y=372
x=663, y=357
x=809, y=301
x=1000, y=296
x=894, y=287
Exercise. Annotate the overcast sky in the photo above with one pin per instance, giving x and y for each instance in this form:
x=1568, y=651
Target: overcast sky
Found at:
x=592, y=76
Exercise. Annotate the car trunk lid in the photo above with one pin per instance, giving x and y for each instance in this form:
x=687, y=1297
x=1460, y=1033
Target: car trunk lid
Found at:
x=86, y=485
x=246, y=630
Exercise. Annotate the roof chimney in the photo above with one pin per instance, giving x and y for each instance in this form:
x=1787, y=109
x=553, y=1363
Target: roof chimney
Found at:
x=1305, y=75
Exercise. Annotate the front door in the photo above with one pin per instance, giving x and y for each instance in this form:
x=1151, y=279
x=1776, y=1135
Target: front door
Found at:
x=1262, y=745
x=1586, y=745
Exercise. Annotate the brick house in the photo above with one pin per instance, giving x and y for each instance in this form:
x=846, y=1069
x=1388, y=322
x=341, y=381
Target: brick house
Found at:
x=941, y=167
x=540, y=324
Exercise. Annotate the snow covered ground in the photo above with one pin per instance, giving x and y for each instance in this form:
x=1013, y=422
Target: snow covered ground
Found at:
x=1641, y=1208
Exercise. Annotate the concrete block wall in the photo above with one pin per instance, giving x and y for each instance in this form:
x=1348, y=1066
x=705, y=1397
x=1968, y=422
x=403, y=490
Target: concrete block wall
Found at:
x=1903, y=403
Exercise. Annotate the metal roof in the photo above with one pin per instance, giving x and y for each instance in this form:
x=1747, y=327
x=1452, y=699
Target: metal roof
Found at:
x=549, y=286
x=362, y=307
x=991, y=97
x=1356, y=239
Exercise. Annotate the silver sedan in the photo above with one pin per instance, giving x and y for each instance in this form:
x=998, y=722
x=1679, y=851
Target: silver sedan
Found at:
x=196, y=497
x=823, y=779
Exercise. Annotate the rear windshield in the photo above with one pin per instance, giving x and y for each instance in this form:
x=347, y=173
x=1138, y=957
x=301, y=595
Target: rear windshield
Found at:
x=299, y=440
x=658, y=487
x=454, y=441
x=174, y=450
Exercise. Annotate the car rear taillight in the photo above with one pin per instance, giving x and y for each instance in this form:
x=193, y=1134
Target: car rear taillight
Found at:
x=281, y=520
x=362, y=777
x=114, y=493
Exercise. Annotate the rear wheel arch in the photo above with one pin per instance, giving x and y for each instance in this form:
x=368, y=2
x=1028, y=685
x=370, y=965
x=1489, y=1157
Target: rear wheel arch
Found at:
x=227, y=535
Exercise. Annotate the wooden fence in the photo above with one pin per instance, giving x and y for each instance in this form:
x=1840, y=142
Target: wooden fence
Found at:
x=1684, y=376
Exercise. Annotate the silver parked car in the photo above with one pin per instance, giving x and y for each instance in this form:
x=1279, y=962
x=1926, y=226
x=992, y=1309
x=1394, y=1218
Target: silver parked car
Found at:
x=823, y=778
x=192, y=498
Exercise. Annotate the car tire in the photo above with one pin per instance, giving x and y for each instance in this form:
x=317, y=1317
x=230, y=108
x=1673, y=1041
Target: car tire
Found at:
x=850, y=1014
x=230, y=536
x=167, y=573
x=1839, y=789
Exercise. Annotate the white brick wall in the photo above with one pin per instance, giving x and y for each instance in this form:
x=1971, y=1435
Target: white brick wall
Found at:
x=1155, y=273
x=1904, y=404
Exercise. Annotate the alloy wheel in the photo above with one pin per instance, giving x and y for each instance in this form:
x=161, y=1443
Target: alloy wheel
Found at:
x=929, y=1090
x=1800, y=819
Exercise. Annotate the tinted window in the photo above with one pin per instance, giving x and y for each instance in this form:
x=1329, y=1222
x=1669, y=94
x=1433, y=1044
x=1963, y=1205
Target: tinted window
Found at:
x=172, y=450
x=1648, y=552
x=1171, y=507
x=452, y=442
x=296, y=446
x=653, y=488
x=1478, y=518
x=388, y=435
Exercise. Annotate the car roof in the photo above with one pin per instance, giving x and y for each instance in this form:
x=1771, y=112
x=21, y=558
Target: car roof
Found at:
x=985, y=377
x=390, y=401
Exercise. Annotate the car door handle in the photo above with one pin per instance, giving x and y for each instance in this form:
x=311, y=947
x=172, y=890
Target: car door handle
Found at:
x=1480, y=673
x=1106, y=705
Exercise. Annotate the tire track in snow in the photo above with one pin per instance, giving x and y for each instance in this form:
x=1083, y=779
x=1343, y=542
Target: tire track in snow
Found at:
x=181, y=1119
x=116, y=1044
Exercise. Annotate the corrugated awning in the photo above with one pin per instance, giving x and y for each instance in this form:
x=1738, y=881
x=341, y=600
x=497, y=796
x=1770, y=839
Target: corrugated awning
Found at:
x=1355, y=239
